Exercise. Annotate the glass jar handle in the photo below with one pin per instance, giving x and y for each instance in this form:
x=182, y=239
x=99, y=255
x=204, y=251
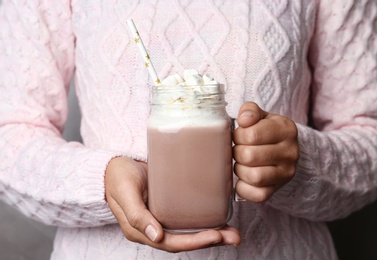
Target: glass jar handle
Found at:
x=236, y=197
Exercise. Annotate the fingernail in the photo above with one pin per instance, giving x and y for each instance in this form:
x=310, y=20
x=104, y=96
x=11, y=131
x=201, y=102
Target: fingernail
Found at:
x=247, y=113
x=151, y=232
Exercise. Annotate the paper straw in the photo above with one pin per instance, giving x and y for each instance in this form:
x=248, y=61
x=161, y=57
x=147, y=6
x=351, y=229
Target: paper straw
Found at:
x=143, y=52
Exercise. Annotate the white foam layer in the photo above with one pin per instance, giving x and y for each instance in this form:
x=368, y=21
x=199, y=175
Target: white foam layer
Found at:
x=169, y=125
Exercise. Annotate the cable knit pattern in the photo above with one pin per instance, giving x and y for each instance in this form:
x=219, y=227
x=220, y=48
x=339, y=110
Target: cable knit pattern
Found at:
x=261, y=50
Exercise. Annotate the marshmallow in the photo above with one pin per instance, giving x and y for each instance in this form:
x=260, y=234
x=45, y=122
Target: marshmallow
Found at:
x=208, y=78
x=178, y=78
x=194, y=80
x=194, y=88
x=172, y=80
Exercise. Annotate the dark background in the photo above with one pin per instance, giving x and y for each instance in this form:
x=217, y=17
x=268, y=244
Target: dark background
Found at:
x=355, y=237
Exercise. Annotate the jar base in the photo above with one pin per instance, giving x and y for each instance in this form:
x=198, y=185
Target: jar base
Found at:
x=189, y=231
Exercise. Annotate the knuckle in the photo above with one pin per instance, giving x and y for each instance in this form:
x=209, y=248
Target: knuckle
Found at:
x=256, y=178
x=291, y=172
x=287, y=125
x=291, y=127
x=134, y=218
x=294, y=153
x=287, y=173
x=247, y=156
x=252, y=193
x=252, y=135
x=261, y=196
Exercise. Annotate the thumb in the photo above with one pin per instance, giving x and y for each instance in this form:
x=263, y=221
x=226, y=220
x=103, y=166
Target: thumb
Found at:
x=140, y=218
x=250, y=113
x=126, y=185
x=137, y=223
x=137, y=214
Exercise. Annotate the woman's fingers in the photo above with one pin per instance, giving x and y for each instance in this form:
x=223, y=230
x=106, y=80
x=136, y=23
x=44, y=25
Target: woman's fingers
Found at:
x=270, y=130
x=231, y=236
x=265, y=155
x=252, y=193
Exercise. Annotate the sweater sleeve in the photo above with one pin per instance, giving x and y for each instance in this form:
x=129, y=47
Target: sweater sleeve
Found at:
x=337, y=170
x=43, y=176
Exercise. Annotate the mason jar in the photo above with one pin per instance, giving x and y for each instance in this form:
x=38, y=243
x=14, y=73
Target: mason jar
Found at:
x=189, y=158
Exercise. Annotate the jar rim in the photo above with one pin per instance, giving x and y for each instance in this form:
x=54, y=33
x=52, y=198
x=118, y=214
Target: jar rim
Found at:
x=180, y=87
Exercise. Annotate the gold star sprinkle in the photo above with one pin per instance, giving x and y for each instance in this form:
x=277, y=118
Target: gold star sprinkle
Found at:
x=137, y=40
x=147, y=64
x=158, y=81
x=147, y=57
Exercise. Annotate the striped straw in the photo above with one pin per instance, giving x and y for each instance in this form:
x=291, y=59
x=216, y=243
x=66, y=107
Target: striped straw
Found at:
x=143, y=52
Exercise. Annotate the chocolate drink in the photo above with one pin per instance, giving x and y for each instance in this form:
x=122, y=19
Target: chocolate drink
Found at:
x=189, y=154
x=190, y=175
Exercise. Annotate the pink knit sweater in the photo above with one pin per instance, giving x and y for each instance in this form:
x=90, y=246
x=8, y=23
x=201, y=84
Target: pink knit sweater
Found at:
x=311, y=60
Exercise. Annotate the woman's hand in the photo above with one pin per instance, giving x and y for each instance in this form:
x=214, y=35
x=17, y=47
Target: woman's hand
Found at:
x=126, y=194
x=266, y=152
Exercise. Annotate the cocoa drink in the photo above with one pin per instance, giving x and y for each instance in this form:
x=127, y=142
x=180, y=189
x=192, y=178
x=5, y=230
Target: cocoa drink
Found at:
x=189, y=155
